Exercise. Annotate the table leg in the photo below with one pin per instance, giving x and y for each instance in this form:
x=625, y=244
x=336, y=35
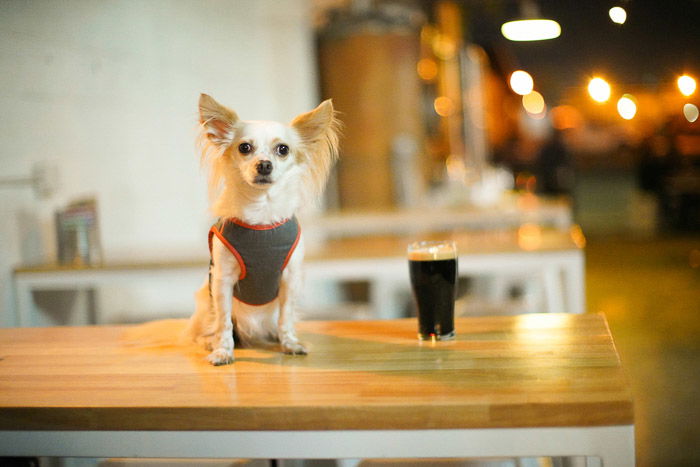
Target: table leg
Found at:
x=384, y=298
x=578, y=461
x=91, y=310
x=493, y=287
x=575, y=283
x=619, y=451
x=24, y=305
x=553, y=290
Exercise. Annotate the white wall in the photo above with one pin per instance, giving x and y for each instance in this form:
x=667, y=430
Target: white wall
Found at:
x=108, y=91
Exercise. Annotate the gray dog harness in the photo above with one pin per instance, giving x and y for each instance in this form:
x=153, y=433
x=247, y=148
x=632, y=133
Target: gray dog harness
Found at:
x=262, y=252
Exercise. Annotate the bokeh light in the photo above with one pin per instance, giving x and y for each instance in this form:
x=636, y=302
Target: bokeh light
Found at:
x=444, y=106
x=427, y=69
x=444, y=47
x=686, y=85
x=618, y=15
x=529, y=236
x=627, y=107
x=534, y=104
x=565, y=117
x=599, y=90
x=690, y=112
x=531, y=30
x=521, y=82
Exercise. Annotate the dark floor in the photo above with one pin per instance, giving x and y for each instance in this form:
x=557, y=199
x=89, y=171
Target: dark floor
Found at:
x=649, y=289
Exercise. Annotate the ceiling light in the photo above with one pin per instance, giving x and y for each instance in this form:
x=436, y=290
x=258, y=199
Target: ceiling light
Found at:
x=599, y=90
x=530, y=26
x=618, y=15
x=627, y=107
x=686, y=85
x=690, y=112
x=531, y=30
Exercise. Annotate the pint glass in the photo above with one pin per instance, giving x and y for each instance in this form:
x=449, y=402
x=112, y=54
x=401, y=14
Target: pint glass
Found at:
x=433, y=271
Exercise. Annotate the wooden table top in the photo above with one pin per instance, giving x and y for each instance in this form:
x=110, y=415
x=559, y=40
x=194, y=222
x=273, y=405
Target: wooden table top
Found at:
x=535, y=370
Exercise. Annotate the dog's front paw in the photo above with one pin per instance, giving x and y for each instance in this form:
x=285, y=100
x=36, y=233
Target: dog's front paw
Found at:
x=220, y=357
x=294, y=348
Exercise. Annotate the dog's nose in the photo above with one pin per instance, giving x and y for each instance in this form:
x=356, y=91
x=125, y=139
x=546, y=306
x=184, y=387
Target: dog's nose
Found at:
x=264, y=167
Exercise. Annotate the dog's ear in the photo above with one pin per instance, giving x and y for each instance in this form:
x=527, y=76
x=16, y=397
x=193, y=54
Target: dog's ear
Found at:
x=319, y=131
x=218, y=122
x=315, y=124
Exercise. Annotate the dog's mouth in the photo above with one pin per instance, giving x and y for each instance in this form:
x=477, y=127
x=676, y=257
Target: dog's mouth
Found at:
x=262, y=180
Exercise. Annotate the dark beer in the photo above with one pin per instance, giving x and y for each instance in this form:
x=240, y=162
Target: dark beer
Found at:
x=433, y=271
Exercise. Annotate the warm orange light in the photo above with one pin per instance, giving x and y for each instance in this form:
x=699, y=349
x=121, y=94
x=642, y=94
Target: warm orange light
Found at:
x=534, y=104
x=599, y=90
x=529, y=237
x=577, y=236
x=565, y=117
x=444, y=47
x=444, y=106
x=427, y=69
x=686, y=85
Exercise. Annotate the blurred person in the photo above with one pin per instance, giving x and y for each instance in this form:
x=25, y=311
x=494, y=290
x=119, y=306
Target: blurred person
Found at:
x=554, y=168
x=654, y=163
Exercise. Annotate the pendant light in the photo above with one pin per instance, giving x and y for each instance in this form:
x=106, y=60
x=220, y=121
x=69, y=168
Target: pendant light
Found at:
x=530, y=26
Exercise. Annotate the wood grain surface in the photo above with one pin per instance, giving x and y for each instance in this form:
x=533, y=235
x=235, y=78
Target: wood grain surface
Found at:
x=513, y=371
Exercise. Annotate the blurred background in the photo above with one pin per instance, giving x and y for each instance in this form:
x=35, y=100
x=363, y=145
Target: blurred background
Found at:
x=594, y=126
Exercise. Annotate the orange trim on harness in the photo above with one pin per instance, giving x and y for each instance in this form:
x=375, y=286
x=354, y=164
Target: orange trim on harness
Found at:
x=294, y=247
x=237, y=221
x=220, y=236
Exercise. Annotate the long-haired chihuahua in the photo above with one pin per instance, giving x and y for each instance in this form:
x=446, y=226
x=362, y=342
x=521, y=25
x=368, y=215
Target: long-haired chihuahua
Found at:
x=260, y=174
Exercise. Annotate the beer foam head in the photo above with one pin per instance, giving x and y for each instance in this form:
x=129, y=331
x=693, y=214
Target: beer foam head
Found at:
x=431, y=251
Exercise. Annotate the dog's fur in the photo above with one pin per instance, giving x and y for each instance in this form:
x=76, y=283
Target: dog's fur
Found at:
x=238, y=190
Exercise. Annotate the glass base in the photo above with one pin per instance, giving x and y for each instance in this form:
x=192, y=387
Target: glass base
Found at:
x=437, y=337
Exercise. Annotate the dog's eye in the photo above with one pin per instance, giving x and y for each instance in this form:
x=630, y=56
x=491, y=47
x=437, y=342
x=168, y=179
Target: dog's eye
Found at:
x=282, y=150
x=245, y=148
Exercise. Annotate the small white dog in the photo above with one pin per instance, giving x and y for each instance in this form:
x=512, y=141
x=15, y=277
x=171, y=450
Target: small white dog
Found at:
x=261, y=172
